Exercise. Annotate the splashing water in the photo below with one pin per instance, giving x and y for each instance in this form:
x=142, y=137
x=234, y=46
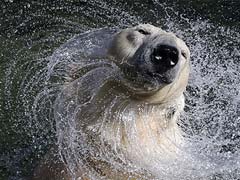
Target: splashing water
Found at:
x=58, y=95
x=77, y=108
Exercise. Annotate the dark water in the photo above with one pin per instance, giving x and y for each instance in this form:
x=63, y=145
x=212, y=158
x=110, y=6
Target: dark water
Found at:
x=30, y=31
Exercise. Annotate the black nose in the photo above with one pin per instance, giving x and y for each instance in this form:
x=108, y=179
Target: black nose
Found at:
x=164, y=58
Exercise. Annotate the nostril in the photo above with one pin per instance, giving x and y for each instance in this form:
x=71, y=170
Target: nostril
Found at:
x=165, y=56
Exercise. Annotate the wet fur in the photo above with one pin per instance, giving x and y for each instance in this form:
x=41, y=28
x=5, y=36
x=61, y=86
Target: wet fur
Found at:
x=162, y=109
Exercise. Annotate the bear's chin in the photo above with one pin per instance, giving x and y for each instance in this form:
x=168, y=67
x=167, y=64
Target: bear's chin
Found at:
x=139, y=83
x=142, y=86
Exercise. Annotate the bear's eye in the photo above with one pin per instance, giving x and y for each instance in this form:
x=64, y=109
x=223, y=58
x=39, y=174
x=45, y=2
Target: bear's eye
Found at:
x=143, y=32
x=184, y=54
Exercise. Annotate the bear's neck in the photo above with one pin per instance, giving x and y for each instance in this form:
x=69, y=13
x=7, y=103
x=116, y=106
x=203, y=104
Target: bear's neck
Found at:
x=144, y=130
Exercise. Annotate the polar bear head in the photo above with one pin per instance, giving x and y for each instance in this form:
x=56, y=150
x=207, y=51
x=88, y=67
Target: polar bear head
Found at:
x=155, y=63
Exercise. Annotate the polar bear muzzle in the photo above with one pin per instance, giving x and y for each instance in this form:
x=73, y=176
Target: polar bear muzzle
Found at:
x=157, y=62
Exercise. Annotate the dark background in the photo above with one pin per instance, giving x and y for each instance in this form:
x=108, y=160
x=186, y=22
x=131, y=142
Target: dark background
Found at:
x=33, y=29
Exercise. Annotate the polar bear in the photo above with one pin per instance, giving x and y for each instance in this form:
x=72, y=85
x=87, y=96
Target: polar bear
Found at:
x=141, y=129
